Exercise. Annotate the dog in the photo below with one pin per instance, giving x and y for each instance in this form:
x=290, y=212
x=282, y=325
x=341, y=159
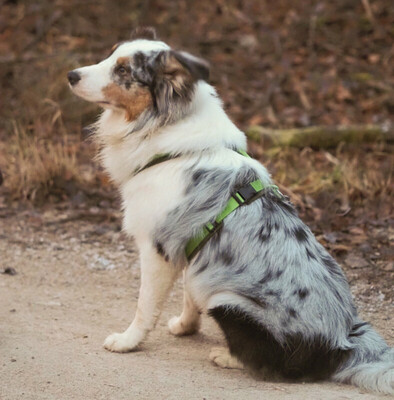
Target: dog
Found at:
x=282, y=301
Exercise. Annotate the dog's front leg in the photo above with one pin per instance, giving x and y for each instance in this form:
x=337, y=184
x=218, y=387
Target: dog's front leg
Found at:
x=157, y=278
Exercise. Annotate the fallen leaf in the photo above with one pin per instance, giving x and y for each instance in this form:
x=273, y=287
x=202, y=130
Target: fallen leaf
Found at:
x=356, y=261
x=331, y=237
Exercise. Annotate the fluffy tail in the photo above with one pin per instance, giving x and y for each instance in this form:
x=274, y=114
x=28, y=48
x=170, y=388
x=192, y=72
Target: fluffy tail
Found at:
x=371, y=363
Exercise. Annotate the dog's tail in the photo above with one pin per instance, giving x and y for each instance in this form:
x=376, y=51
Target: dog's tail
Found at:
x=371, y=362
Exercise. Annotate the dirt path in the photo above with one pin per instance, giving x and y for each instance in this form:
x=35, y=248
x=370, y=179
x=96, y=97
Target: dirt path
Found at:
x=77, y=281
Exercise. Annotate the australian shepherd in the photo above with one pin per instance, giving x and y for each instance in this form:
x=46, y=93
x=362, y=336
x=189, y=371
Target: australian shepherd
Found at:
x=282, y=301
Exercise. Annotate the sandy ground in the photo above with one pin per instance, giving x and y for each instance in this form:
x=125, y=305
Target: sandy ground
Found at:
x=76, y=282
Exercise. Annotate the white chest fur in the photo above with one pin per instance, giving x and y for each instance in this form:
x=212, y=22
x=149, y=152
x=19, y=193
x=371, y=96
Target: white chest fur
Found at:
x=149, y=196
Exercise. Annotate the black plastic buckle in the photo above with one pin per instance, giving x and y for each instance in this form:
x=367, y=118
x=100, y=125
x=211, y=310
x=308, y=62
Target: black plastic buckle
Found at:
x=247, y=192
x=216, y=227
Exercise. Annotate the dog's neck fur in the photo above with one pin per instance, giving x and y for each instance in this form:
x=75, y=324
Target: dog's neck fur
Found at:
x=206, y=127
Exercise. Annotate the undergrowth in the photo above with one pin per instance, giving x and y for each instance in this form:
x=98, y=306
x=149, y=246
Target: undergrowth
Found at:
x=35, y=167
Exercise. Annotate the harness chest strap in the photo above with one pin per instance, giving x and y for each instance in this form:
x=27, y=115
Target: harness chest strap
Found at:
x=245, y=195
x=157, y=159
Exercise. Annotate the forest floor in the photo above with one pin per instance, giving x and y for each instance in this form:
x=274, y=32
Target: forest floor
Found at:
x=70, y=278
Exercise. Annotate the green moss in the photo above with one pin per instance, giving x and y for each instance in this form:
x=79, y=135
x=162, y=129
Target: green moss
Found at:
x=319, y=136
x=362, y=77
x=254, y=133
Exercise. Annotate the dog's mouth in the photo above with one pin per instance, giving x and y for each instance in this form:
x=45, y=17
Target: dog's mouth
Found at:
x=108, y=104
x=88, y=97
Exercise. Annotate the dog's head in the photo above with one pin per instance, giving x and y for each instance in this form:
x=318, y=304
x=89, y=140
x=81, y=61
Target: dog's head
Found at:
x=143, y=74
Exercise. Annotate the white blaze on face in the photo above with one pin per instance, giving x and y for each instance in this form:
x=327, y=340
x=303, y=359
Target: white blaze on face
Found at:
x=94, y=78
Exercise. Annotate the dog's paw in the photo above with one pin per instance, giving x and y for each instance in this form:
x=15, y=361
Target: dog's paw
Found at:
x=122, y=342
x=222, y=358
x=179, y=328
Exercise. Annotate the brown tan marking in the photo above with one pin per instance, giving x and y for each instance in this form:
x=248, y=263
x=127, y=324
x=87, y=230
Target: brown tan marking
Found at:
x=134, y=101
x=113, y=48
x=123, y=61
x=179, y=76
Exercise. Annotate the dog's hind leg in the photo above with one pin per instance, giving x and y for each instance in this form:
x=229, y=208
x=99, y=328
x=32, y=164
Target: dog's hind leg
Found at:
x=157, y=278
x=222, y=358
x=189, y=321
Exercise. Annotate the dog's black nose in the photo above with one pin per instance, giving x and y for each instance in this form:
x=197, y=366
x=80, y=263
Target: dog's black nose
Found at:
x=73, y=77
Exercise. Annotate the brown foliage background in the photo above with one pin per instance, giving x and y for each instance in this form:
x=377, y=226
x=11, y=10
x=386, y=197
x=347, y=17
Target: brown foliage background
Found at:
x=279, y=64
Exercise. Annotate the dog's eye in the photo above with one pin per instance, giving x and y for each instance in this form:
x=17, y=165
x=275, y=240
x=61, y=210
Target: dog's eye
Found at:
x=121, y=70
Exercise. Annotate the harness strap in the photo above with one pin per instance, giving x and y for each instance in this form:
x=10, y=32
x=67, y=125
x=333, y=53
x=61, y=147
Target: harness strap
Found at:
x=157, y=159
x=245, y=195
x=162, y=157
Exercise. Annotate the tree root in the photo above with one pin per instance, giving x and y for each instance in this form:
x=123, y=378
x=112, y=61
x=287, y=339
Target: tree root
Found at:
x=320, y=136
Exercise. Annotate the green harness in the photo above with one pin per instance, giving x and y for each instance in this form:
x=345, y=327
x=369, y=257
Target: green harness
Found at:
x=245, y=195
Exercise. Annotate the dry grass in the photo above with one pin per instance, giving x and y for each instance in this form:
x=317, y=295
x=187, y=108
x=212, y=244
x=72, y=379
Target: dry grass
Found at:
x=34, y=167
x=37, y=167
x=39, y=137
x=349, y=175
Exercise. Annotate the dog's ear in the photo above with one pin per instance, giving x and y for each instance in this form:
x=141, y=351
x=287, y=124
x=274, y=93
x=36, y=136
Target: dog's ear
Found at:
x=198, y=67
x=143, y=32
x=175, y=74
